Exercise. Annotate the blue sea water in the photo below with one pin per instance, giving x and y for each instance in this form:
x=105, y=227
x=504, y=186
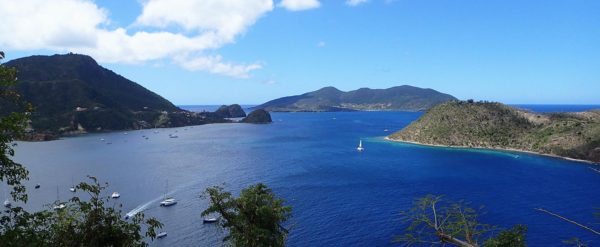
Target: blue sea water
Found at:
x=339, y=197
x=559, y=108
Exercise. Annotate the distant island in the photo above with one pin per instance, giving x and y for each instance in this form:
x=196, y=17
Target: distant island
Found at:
x=230, y=111
x=258, y=116
x=72, y=94
x=327, y=99
x=496, y=126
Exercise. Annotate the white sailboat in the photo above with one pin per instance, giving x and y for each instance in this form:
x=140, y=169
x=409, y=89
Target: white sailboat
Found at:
x=360, y=147
x=58, y=205
x=115, y=195
x=72, y=189
x=167, y=201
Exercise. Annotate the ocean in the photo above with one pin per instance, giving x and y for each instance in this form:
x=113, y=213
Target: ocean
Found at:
x=340, y=197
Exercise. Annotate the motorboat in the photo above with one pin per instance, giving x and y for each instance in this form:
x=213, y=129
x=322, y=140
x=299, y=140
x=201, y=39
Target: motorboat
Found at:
x=161, y=235
x=209, y=220
x=168, y=202
x=115, y=195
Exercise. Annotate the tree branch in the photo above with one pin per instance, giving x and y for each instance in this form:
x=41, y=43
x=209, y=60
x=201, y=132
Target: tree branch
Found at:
x=568, y=220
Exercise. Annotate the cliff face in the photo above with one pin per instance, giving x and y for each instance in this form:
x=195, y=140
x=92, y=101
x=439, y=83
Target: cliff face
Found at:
x=73, y=94
x=494, y=125
x=402, y=98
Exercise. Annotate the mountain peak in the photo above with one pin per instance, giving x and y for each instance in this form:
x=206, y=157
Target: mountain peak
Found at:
x=329, y=89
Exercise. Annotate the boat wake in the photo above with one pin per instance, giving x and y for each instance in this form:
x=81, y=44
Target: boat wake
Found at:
x=145, y=206
x=140, y=208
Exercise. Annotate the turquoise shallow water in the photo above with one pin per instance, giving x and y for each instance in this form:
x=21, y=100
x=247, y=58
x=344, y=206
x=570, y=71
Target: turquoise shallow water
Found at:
x=339, y=197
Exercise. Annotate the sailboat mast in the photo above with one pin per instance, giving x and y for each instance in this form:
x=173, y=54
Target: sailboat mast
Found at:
x=166, y=189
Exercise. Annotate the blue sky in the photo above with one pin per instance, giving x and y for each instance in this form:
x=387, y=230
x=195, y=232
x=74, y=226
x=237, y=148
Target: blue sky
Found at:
x=545, y=52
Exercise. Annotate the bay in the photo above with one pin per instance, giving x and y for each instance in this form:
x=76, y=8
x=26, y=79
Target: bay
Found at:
x=339, y=197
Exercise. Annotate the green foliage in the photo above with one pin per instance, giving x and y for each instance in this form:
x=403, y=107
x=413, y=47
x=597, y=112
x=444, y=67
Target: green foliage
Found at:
x=12, y=126
x=253, y=219
x=433, y=220
x=93, y=223
x=514, y=237
x=81, y=223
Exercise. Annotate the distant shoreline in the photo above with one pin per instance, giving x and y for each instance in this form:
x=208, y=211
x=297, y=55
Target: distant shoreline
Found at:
x=495, y=149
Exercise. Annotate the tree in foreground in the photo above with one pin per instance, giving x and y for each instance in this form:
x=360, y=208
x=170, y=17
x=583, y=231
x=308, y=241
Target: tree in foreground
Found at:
x=94, y=223
x=14, y=114
x=433, y=221
x=253, y=219
x=79, y=223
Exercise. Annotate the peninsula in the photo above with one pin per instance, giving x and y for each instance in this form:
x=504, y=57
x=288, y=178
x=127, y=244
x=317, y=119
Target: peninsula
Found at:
x=489, y=125
x=329, y=99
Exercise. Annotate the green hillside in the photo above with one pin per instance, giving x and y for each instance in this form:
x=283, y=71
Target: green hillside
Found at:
x=401, y=98
x=72, y=94
x=494, y=125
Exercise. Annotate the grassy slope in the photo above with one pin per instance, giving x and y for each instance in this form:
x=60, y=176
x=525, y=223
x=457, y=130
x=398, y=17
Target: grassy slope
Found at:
x=494, y=125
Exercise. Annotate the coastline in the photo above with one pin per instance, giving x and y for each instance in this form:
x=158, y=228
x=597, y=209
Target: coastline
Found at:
x=56, y=136
x=496, y=149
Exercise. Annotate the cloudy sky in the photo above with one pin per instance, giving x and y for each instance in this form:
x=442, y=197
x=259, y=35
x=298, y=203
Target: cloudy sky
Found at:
x=251, y=51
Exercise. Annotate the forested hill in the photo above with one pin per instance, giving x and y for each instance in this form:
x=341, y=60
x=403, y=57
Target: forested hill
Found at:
x=72, y=93
x=494, y=125
x=401, y=98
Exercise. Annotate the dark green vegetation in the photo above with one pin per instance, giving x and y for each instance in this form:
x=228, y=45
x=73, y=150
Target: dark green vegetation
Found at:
x=401, y=98
x=253, y=219
x=259, y=116
x=73, y=94
x=435, y=221
x=79, y=222
x=230, y=111
x=12, y=126
x=497, y=126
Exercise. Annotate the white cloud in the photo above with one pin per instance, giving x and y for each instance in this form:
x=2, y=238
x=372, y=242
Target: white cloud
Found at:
x=227, y=18
x=80, y=26
x=298, y=5
x=355, y=2
x=55, y=24
x=214, y=64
